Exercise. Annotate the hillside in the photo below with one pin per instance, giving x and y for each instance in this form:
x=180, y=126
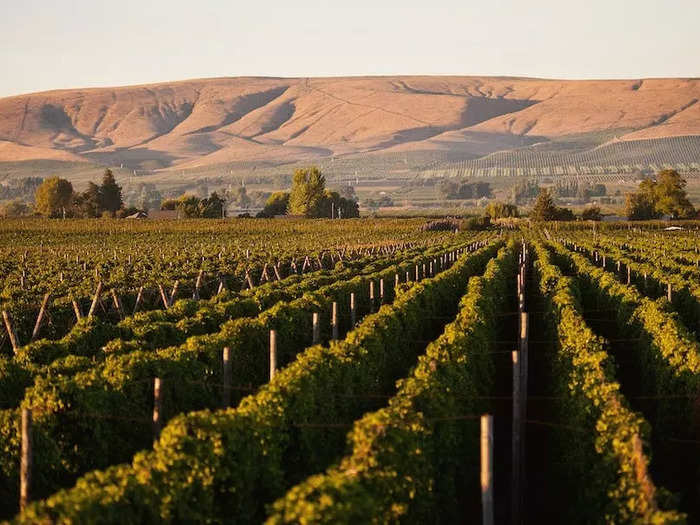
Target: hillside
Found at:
x=446, y=125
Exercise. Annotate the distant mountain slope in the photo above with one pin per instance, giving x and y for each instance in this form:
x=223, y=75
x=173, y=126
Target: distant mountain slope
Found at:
x=199, y=123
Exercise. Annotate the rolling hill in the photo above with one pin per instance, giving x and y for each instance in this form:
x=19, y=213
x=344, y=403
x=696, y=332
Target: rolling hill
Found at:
x=437, y=125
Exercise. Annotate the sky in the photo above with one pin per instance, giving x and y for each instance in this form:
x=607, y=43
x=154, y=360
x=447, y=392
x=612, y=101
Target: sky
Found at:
x=49, y=44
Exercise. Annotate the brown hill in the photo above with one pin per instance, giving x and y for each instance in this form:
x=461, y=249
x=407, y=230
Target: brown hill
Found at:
x=199, y=123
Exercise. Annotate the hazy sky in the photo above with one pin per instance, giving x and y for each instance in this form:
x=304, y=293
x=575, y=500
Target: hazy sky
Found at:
x=50, y=44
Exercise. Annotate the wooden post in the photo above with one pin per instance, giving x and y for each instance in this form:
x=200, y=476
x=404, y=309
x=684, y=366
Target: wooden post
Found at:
x=315, y=329
x=669, y=293
x=524, y=360
x=487, y=469
x=603, y=262
x=408, y=276
x=198, y=285
x=516, y=449
x=417, y=273
x=25, y=469
x=174, y=292
x=381, y=290
x=76, y=309
x=139, y=298
x=273, y=353
x=371, y=296
x=10, y=332
x=163, y=297
x=226, y=393
x=629, y=275
x=524, y=337
x=95, y=299
x=157, y=407
x=117, y=304
x=40, y=317
x=334, y=322
x=353, y=311
x=396, y=282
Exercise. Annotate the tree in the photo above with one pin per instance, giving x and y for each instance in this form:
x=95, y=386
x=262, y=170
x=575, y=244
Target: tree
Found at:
x=211, y=207
x=498, y=210
x=654, y=198
x=592, y=214
x=544, y=208
x=639, y=207
x=188, y=205
x=15, y=208
x=671, y=197
x=334, y=206
x=308, y=187
x=89, y=202
x=53, y=197
x=110, y=193
x=276, y=204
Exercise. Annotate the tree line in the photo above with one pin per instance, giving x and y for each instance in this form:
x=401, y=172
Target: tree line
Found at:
x=55, y=197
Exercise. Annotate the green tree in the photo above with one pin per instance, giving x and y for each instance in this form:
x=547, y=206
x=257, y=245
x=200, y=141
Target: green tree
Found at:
x=671, y=197
x=211, y=207
x=189, y=206
x=592, y=214
x=89, y=202
x=334, y=206
x=654, y=198
x=15, y=208
x=53, y=197
x=276, y=204
x=544, y=208
x=110, y=193
x=640, y=207
x=308, y=190
x=497, y=210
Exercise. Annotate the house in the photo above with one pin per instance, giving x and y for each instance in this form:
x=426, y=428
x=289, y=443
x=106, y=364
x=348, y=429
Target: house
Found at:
x=137, y=215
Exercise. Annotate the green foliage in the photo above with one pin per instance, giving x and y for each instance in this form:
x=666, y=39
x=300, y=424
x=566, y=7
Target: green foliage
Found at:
x=110, y=194
x=666, y=195
x=457, y=189
x=605, y=465
x=544, y=209
x=207, y=463
x=592, y=213
x=499, y=210
x=671, y=197
x=53, y=197
x=308, y=190
x=15, y=208
x=88, y=203
x=276, y=204
x=414, y=456
x=475, y=223
x=334, y=206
